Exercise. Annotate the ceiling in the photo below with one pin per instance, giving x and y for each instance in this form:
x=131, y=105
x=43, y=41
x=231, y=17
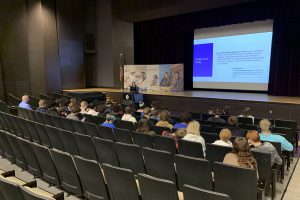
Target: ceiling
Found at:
x=141, y=10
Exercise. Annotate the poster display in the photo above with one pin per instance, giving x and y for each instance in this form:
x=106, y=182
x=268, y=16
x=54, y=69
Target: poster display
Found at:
x=156, y=78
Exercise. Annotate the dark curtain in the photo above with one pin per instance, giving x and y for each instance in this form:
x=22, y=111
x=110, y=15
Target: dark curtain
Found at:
x=170, y=40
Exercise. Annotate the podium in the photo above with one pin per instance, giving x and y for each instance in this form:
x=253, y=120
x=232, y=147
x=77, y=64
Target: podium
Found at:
x=130, y=98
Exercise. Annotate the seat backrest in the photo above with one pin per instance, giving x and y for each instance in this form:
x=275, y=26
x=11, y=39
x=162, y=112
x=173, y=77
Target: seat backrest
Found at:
x=29, y=195
x=57, y=121
x=154, y=188
x=39, y=117
x=164, y=144
x=92, y=179
x=9, y=190
x=13, y=142
x=106, y=133
x=238, y=183
x=106, y=152
x=126, y=125
x=91, y=129
x=67, y=124
x=286, y=123
x=49, y=171
x=30, y=157
x=205, y=116
x=195, y=193
x=121, y=183
x=54, y=137
x=245, y=120
x=23, y=126
x=263, y=161
x=159, y=164
x=48, y=119
x=130, y=157
x=85, y=146
x=69, y=142
x=67, y=172
x=32, y=131
x=42, y=132
x=248, y=126
x=143, y=140
x=122, y=135
x=160, y=129
x=193, y=171
x=78, y=127
x=189, y=148
x=216, y=153
x=8, y=152
x=209, y=137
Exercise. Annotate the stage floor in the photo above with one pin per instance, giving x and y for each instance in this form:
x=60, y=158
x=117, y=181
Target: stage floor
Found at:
x=256, y=97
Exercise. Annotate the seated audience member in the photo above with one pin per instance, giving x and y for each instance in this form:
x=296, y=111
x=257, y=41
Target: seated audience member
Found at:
x=216, y=117
x=127, y=115
x=25, y=103
x=226, y=110
x=116, y=111
x=211, y=110
x=193, y=134
x=265, y=147
x=143, y=127
x=184, y=120
x=101, y=110
x=43, y=107
x=141, y=107
x=147, y=115
x=240, y=155
x=233, y=127
x=109, y=121
x=84, y=107
x=61, y=111
x=154, y=105
x=179, y=134
x=225, y=136
x=247, y=113
x=164, y=119
x=75, y=113
x=91, y=109
x=266, y=135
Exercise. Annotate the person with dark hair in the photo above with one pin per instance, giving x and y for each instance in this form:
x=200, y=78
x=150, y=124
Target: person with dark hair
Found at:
x=61, y=111
x=75, y=113
x=240, y=155
x=91, y=109
x=211, y=110
x=101, y=110
x=247, y=113
x=216, y=117
x=263, y=147
x=164, y=119
x=179, y=134
x=184, y=120
x=109, y=121
x=133, y=87
x=233, y=127
x=226, y=110
x=127, y=115
x=43, y=107
x=143, y=127
x=116, y=111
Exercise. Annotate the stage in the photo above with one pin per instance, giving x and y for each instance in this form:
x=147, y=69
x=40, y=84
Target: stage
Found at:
x=262, y=105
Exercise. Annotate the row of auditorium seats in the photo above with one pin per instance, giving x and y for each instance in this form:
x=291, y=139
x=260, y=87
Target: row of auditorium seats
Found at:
x=88, y=178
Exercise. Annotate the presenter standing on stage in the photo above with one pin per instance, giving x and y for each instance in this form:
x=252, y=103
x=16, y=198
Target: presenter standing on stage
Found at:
x=133, y=87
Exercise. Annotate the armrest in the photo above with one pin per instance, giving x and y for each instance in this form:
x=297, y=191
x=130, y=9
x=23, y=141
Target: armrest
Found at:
x=31, y=184
x=9, y=173
x=59, y=196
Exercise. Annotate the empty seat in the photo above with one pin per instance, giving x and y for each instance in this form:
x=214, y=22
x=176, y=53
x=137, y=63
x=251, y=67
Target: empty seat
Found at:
x=9, y=190
x=126, y=125
x=122, y=135
x=106, y=133
x=245, y=120
x=49, y=171
x=159, y=164
x=33, y=132
x=194, y=193
x=160, y=129
x=9, y=155
x=67, y=124
x=78, y=127
x=106, y=152
x=25, y=132
x=130, y=157
x=193, y=171
x=154, y=188
x=56, y=121
x=91, y=129
x=67, y=172
x=244, y=181
x=54, y=137
x=216, y=153
x=48, y=119
x=30, y=157
x=164, y=144
x=141, y=139
x=209, y=137
x=42, y=132
x=85, y=146
x=13, y=142
x=121, y=183
x=38, y=194
x=68, y=141
x=92, y=179
x=189, y=148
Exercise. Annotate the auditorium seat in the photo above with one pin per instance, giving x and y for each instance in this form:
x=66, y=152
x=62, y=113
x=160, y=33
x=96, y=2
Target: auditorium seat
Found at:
x=9, y=155
x=46, y=163
x=106, y=133
x=13, y=142
x=141, y=139
x=154, y=188
x=67, y=124
x=39, y=194
x=209, y=137
x=193, y=171
x=245, y=120
x=159, y=129
x=9, y=190
x=121, y=183
x=123, y=135
x=57, y=122
x=32, y=115
x=216, y=153
x=67, y=172
x=42, y=132
x=192, y=149
x=78, y=127
x=54, y=137
x=207, y=128
x=91, y=129
x=85, y=146
x=48, y=120
x=195, y=193
x=68, y=141
x=125, y=125
x=106, y=152
x=92, y=179
x=239, y=183
x=25, y=132
x=30, y=157
x=159, y=164
x=248, y=126
x=39, y=117
x=164, y=144
x=130, y=157
x=33, y=132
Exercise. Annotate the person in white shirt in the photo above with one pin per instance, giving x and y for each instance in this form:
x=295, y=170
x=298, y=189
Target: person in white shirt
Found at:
x=225, y=135
x=193, y=134
x=91, y=110
x=83, y=107
x=127, y=116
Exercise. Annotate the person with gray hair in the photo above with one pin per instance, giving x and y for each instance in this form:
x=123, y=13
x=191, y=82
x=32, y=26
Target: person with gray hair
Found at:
x=24, y=104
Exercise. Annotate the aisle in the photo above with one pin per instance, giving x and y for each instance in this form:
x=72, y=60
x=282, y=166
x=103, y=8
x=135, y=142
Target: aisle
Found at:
x=293, y=192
